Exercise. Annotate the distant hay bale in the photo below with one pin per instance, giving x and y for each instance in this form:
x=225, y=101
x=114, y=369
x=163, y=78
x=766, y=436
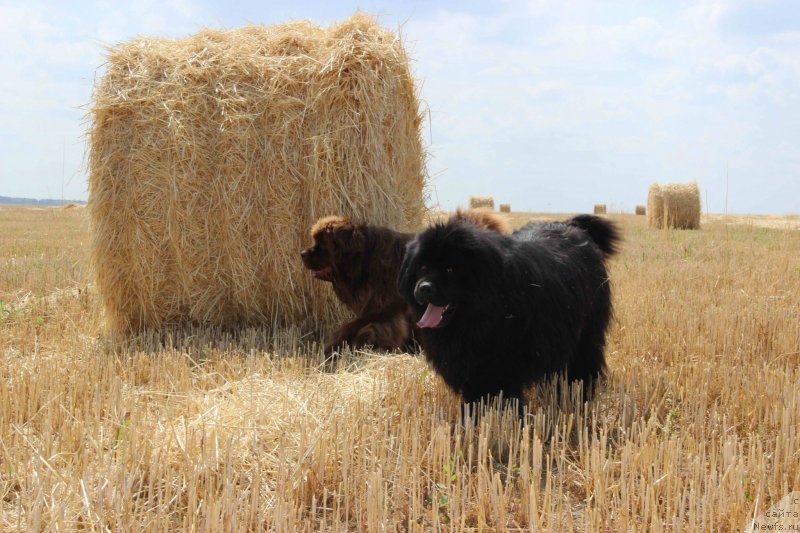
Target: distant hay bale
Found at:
x=212, y=156
x=505, y=208
x=655, y=207
x=641, y=210
x=681, y=205
x=481, y=201
x=675, y=205
x=600, y=209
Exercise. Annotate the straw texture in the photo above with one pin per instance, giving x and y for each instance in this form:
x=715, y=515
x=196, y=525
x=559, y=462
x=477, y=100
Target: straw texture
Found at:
x=211, y=156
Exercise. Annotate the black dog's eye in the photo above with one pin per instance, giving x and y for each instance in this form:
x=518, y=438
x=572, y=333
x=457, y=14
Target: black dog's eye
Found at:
x=449, y=270
x=423, y=268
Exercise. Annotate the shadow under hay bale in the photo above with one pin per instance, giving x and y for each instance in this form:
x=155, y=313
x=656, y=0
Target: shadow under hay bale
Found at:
x=641, y=210
x=600, y=209
x=505, y=208
x=675, y=205
x=211, y=157
x=481, y=201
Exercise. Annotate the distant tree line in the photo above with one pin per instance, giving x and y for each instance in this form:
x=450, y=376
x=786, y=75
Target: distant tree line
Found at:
x=34, y=201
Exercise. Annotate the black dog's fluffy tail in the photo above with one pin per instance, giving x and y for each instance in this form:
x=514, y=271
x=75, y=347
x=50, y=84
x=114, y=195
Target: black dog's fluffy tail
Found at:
x=603, y=232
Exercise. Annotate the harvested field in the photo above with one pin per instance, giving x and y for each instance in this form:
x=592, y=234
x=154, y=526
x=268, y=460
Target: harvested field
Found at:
x=695, y=428
x=761, y=221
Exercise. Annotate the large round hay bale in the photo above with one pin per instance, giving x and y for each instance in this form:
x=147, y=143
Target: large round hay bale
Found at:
x=600, y=209
x=212, y=156
x=641, y=210
x=481, y=201
x=505, y=208
x=681, y=205
x=655, y=207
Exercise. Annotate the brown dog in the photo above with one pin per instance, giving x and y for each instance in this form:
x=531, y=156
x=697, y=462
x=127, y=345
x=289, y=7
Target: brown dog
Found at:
x=362, y=262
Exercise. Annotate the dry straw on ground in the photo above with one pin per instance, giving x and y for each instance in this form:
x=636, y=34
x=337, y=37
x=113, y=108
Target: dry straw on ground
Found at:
x=600, y=209
x=695, y=427
x=641, y=210
x=211, y=157
x=505, y=208
x=675, y=205
x=481, y=201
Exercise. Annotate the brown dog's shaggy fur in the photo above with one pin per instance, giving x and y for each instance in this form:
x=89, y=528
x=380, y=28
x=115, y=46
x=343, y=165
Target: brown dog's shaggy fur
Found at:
x=484, y=217
x=362, y=263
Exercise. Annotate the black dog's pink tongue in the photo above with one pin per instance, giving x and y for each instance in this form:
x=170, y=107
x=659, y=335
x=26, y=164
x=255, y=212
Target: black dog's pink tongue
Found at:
x=432, y=317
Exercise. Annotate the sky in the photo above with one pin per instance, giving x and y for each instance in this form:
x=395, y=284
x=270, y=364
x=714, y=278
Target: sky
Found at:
x=544, y=104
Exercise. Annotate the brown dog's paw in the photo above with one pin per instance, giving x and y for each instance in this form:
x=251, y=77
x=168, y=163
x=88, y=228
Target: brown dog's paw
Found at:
x=331, y=357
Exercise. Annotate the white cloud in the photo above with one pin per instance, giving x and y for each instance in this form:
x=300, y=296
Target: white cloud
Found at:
x=48, y=56
x=604, y=103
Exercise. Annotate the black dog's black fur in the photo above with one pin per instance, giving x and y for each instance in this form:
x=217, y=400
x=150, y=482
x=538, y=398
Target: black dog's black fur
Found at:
x=501, y=312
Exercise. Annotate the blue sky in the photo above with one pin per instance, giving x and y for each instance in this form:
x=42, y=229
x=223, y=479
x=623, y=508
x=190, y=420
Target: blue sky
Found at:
x=547, y=105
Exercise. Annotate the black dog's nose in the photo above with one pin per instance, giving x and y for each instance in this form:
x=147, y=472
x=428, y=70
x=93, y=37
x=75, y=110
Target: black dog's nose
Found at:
x=423, y=291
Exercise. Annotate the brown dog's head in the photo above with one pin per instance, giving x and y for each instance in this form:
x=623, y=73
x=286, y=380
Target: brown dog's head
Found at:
x=336, y=240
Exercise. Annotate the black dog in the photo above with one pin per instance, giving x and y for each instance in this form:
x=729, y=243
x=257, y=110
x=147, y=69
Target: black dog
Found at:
x=498, y=313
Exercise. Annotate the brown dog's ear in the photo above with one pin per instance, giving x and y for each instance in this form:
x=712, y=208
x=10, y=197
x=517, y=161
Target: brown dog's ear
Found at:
x=348, y=238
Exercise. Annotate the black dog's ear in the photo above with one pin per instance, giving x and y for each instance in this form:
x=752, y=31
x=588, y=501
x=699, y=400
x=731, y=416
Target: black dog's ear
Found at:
x=490, y=260
x=483, y=258
x=406, y=267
